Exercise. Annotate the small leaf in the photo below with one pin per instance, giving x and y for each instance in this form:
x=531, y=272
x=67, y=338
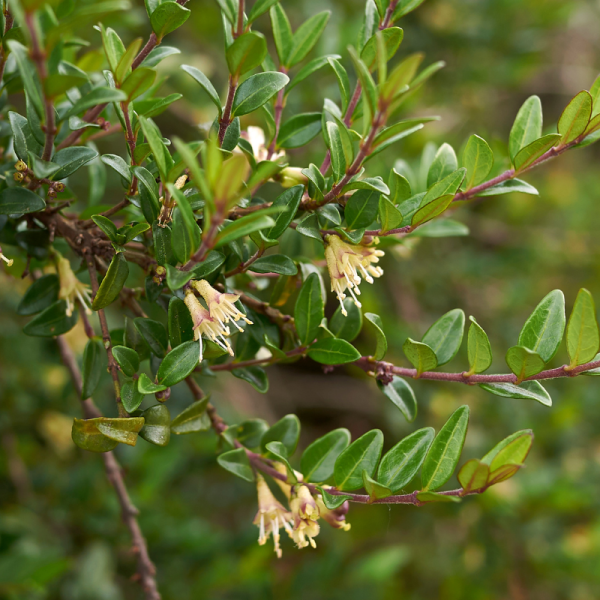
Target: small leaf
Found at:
x=362, y=208
x=244, y=226
x=528, y=390
x=102, y=434
x=527, y=126
x=523, y=362
x=478, y=348
x=530, y=153
x=178, y=364
x=201, y=78
x=512, y=185
x=525, y=434
x=332, y=501
x=138, y=82
x=288, y=201
x=318, y=460
x=333, y=351
x=147, y=386
x=236, y=462
x=154, y=334
x=473, y=475
x=167, y=17
x=19, y=201
x=478, y=159
x=52, y=321
x=445, y=335
x=436, y=497
x=375, y=490
x=382, y=344
x=286, y=431
x=255, y=376
x=349, y=326
x=575, y=117
x=309, y=309
x=131, y=396
x=445, y=451
x=399, y=466
x=444, y=164
x=299, y=130
x=305, y=37
x=192, y=419
x=583, y=337
x=256, y=91
x=39, y=295
x=420, y=355
x=99, y=95
x=362, y=455
x=181, y=325
x=275, y=263
x=156, y=429
x=94, y=364
x=336, y=149
x=124, y=431
x=113, y=282
x=402, y=395
x=277, y=449
x=247, y=52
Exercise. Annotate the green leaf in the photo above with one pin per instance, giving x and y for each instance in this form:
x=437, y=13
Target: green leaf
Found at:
x=99, y=95
x=23, y=139
x=445, y=451
x=159, y=150
x=208, y=87
x=473, y=475
x=275, y=263
x=333, y=351
x=444, y=337
x=309, y=309
x=154, y=334
x=19, y=201
x=260, y=7
x=119, y=165
x=299, y=130
x=545, y=328
x=478, y=159
x=124, y=65
x=361, y=455
x=332, y=501
x=343, y=81
x=255, y=376
x=349, y=326
x=512, y=185
x=181, y=325
x=478, y=348
x=402, y=395
x=236, y=462
x=150, y=107
x=138, y=82
x=178, y=364
x=94, y=364
x=278, y=450
x=382, y=344
x=127, y=358
x=527, y=126
x=247, y=52
x=39, y=295
x=525, y=439
x=336, y=148
x=31, y=83
x=583, y=338
x=52, y=321
x=308, y=69
x=256, y=91
x=420, y=355
x=305, y=37
x=575, y=118
x=282, y=32
x=113, y=282
x=213, y=261
x=403, y=7
x=71, y=160
x=131, y=396
x=362, y=208
x=523, y=362
x=147, y=386
x=441, y=228
x=286, y=431
x=366, y=81
x=162, y=244
x=399, y=466
x=369, y=183
x=389, y=215
x=156, y=429
x=444, y=164
x=436, y=497
x=248, y=433
x=375, y=490
x=186, y=235
x=103, y=434
x=113, y=47
x=432, y=209
x=530, y=153
x=244, y=226
x=167, y=17
x=392, y=38
x=192, y=419
x=528, y=390
x=288, y=202
x=318, y=460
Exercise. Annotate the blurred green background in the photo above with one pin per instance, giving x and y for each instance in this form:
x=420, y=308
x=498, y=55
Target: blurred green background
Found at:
x=536, y=537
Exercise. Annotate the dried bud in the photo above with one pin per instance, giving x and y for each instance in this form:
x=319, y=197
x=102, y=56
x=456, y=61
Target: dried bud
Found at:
x=19, y=176
x=21, y=166
x=58, y=186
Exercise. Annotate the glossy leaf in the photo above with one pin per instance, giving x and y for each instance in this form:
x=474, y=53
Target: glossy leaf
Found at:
x=362, y=455
x=527, y=126
x=583, y=337
x=309, y=309
x=402, y=395
x=362, y=208
x=528, y=390
x=288, y=201
x=93, y=365
x=167, y=17
x=478, y=159
x=255, y=376
x=154, y=334
x=530, y=153
x=147, y=386
x=19, y=201
x=305, y=37
x=333, y=351
x=376, y=490
x=131, y=397
x=445, y=335
x=382, y=345
x=349, y=326
x=256, y=91
x=575, y=117
x=420, y=355
x=156, y=429
x=247, y=52
x=473, y=475
x=39, y=295
x=236, y=462
x=286, y=431
x=113, y=282
x=275, y=263
x=192, y=419
x=178, y=364
x=52, y=321
x=208, y=87
x=478, y=348
x=524, y=362
x=318, y=460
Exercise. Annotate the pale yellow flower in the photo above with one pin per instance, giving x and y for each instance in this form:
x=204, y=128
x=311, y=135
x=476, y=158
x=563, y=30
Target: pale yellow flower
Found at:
x=256, y=137
x=8, y=261
x=337, y=517
x=304, y=533
x=271, y=516
x=305, y=514
x=205, y=324
x=347, y=263
x=220, y=305
x=71, y=289
x=291, y=176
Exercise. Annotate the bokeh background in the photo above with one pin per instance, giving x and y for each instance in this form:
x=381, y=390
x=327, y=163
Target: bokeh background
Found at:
x=536, y=537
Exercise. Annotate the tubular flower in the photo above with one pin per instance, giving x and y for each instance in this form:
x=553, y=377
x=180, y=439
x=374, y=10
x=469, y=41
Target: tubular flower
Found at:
x=205, y=324
x=347, y=263
x=71, y=289
x=305, y=513
x=8, y=261
x=337, y=517
x=220, y=306
x=271, y=516
x=291, y=176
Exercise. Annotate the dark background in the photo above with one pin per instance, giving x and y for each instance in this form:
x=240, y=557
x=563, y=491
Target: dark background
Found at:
x=534, y=537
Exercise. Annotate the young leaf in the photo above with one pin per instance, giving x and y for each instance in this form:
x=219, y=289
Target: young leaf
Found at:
x=382, y=344
x=318, y=460
x=524, y=362
x=478, y=349
x=375, y=490
x=444, y=163
x=575, y=117
x=399, y=466
x=445, y=335
x=167, y=17
x=244, y=226
x=131, y=397
x=338, y=158
x=524, y=434
x=362, y=455
x=478, y=159
x=530, y=153
x=473, y=475
x=402, y=395
x=527, y=126
x=309, y=309
x=346, y=327
x=445, y=451
x=192, y=419
x=545, y=328
x=147, y=386
x=282, y=32
x=583, y=337
x=420, y=355
x=389, y=215
x=247, y=52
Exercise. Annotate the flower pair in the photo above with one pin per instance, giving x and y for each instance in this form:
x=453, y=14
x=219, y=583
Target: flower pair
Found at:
x=347, y=263
x=212, y=322
x=300, y=521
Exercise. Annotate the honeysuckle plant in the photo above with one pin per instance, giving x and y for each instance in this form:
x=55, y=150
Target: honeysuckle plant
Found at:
x=193, y=225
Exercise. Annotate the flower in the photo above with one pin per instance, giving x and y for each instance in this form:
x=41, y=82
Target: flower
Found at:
x=305, y=529
x=305, y=514
x=8, y=261
x=205, y=324
x=336, y=517
x=345, y=262
x=291, y=176
x=271, y=516
x=71, y=289
x=256, y=137
x=220, y=305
